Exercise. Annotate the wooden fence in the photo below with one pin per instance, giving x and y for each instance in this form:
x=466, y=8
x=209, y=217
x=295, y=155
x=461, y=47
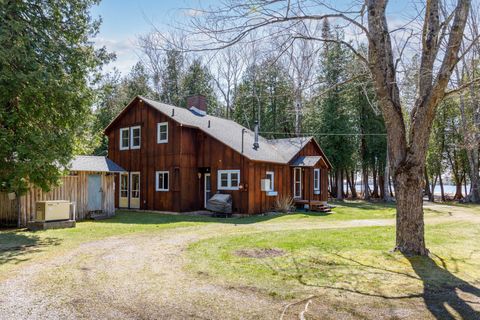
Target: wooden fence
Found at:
x=72, y=188
x=8, y=210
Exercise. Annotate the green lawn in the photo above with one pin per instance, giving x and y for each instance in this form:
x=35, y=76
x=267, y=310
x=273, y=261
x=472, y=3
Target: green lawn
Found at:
x=358, y=259
x=295, y=255
x=21, y=246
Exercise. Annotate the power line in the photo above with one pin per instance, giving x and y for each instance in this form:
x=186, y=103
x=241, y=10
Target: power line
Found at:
x=326, y=134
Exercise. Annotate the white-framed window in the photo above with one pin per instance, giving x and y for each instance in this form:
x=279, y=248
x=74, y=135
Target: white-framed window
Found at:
x=124, y=138
x=162, y=178
x=271, y=177
x=135, y=137
x=228, y=179
x=316, y=181
x=297, y=183
x=162, y=132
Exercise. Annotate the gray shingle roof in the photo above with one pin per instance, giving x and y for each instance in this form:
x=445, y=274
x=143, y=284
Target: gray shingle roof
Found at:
x=305, y=161
x=230, y=133
x=94, y=163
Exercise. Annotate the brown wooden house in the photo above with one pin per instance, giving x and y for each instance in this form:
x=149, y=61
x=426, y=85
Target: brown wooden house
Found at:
x=177, y=158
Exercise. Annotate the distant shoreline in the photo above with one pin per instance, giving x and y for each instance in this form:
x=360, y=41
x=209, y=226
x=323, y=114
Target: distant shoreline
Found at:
x=448, y=189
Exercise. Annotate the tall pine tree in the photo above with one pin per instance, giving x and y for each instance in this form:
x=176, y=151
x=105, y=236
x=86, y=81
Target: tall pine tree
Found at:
x=266, y=95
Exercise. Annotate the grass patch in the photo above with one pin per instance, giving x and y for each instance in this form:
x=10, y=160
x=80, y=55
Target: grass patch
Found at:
x=353, y=259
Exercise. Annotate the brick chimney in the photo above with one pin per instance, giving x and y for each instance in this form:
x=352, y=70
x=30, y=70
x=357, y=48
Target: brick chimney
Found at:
x=197, y=103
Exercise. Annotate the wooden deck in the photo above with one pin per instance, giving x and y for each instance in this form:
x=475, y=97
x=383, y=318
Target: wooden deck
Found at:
x=313, y=205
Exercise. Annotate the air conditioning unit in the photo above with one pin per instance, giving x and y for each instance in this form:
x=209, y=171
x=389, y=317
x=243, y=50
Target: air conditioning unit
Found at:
x=265, y=185
x=52, y=210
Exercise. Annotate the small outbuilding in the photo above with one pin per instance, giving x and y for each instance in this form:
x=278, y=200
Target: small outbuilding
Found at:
x=89, y=186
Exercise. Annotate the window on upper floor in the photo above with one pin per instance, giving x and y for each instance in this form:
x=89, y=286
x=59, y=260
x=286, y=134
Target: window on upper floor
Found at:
x=228, y=179
x=162, y=132
x=135, y=137
x=162, y=180
x=124, y=138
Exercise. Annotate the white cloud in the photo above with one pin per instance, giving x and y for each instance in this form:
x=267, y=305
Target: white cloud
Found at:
x=125, y=50
x=192, y=12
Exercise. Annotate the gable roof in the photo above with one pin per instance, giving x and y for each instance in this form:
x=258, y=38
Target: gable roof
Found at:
x=94, y=163
x=305, y=161
x=230, y=133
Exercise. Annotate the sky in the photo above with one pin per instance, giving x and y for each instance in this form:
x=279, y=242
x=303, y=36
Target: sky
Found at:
x=124, y=20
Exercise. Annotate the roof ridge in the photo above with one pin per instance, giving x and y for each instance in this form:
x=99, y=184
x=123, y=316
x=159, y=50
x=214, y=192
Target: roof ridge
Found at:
x=182, y=108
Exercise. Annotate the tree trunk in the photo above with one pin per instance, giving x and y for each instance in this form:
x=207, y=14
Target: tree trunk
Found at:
x=374, y=178
x=333, y=185
x=366, y=188
x=349, y=183
x=298, y=113
x=390, y=186
x=353, y=188
x=381, y=185
x=339, y=185
x=442, y=191
x=410, y=226
x=344, y=187
x=427, y=186
x=474, y=195
x=387, y=187
x=458, y=192
x=432, y=190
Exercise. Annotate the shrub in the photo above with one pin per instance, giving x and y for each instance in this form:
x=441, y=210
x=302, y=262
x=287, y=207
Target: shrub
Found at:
x=284, y=203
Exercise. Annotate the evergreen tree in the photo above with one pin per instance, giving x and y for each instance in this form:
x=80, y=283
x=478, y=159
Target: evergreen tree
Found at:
x=333, y=113
x=114, y=94
x=46, y=65
x=171, y=78
x=265, y=95
x=198, y=80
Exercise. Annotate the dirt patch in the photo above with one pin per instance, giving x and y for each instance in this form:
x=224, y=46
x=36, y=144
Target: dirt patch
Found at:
x=260, y=253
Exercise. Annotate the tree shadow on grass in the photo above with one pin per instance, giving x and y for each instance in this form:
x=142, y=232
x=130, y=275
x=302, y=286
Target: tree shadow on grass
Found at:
x=444, y=294
x=14, y=245
x=441, y=289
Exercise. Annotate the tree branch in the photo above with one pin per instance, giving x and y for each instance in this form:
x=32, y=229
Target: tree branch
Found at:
x=462, y=87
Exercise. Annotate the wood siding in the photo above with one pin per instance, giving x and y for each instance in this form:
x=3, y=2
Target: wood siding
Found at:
x=72, y=188
x=187, y=155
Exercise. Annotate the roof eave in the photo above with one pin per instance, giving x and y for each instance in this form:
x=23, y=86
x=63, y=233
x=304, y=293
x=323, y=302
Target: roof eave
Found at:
x=120, y=114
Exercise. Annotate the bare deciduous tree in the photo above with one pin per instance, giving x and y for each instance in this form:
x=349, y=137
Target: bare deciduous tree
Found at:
x=439, y=34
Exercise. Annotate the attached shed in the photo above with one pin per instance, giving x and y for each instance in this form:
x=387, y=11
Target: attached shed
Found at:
x=90, y=186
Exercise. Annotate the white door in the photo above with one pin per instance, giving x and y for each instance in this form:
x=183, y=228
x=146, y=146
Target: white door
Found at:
x=207, y=189
x=123, y=191
x=135, y=190
x=297, y=183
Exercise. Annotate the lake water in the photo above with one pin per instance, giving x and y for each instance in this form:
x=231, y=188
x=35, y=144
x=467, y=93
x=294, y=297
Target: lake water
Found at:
x=448, y=189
